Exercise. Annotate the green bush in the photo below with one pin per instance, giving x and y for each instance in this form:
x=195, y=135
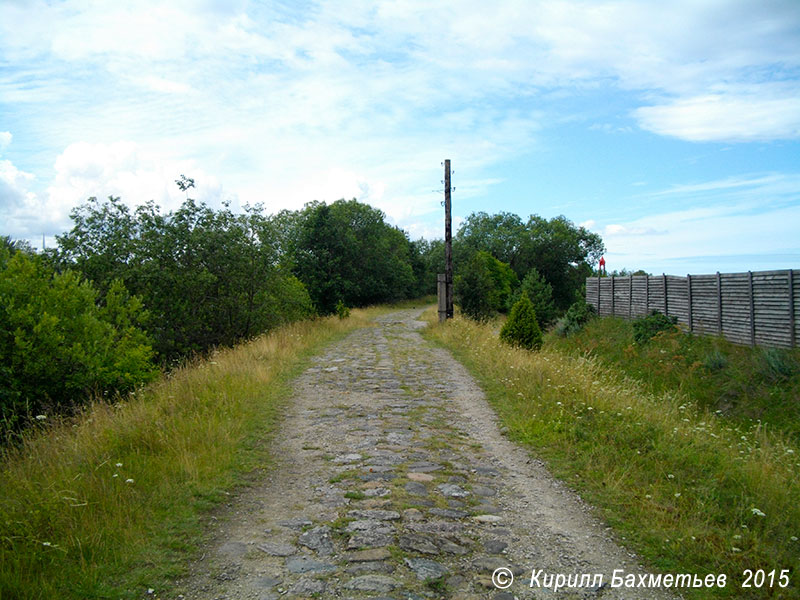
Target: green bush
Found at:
x=59, y=343
x=522, y=329
x=484, y=287
x=541, y=294
x=656, y=322
x=208, y=277
x=576, y=317
x=777, y=364
x=342, y=310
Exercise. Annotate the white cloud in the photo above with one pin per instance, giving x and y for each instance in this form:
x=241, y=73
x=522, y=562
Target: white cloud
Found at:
x=123, y=169
x=731, y=118
x=754, y=216
x=616, y=230
x=289, y=103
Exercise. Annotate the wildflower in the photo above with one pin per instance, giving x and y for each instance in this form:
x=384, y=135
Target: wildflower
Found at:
x=647, y=496
x=129, y=481
x=677, y=494
x=119, y=464
x=757, y=512
x=115, y=475
x=41, y=417
x=670, y=476
x=48, y=544
x=735, y=549
x=793, y=538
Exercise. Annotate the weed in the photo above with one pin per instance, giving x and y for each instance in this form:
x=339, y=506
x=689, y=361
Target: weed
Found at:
x=778, y=364
x=647, y=327
x=715, y=361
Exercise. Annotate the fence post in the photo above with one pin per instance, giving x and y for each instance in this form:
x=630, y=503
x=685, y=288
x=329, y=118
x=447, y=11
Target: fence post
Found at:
x=598, y=292
x=719, y=303
x=613, y=307
x=792, y=337
x=647, y=295
x=689, y=300
x=752, y=310
x=666, y=301
x=630, y=296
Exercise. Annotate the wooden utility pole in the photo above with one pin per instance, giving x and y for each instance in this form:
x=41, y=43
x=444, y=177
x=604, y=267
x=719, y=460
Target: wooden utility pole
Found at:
x=448, y=243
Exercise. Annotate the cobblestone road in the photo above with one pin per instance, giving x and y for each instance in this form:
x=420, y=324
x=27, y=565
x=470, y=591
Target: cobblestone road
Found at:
x=394, y=482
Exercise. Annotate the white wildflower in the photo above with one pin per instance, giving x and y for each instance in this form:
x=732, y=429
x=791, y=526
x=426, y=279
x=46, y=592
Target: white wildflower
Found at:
x=757, y=512
x=41, y=417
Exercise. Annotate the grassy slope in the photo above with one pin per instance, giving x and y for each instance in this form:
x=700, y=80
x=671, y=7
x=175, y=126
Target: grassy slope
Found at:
x=744, y=384
x=111, y=504
x=679, y=484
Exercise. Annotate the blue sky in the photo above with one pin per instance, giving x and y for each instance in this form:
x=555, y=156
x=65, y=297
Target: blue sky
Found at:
x=670, y=128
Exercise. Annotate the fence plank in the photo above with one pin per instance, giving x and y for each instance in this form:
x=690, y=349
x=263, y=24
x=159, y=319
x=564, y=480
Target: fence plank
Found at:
x=753, y=308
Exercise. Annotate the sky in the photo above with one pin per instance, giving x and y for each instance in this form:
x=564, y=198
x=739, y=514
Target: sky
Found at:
x=672, y=129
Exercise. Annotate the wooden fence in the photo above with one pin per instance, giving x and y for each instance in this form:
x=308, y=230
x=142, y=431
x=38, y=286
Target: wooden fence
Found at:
x=757, y=308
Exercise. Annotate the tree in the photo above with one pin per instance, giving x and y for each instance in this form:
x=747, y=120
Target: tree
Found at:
x=541, y=296
x=561, y=252
x=208, y=277
x=483, y=287
x=346, y=251
x=61, y=341
x=521, y=328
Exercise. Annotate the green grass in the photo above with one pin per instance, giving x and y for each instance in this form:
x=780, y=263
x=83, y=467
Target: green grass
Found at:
x=113, y=502
x=745, y=384
x=680, y=484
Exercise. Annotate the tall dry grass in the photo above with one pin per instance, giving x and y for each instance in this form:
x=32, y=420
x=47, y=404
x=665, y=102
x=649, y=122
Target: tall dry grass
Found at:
x=111, y=503
x=687, y=489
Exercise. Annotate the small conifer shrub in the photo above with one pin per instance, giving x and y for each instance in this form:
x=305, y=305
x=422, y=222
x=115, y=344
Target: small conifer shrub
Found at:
x=522, y=329
x=342, y=310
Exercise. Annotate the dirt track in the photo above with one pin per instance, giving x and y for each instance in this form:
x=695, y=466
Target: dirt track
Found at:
x=394, y=481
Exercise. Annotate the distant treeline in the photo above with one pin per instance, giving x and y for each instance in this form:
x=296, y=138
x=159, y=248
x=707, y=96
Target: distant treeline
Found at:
x=126, y=292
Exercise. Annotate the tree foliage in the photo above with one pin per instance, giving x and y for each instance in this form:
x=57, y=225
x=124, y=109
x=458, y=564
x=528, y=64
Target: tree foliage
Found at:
x=346, y=251
x=521, y=328
x=208, y=277
x=540, y=294
x=61, y=341
x=561, y=252
x=484, y=286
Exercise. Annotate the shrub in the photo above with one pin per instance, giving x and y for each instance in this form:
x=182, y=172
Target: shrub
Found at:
x=715, y=361
x=656, y=322
x=342, y=310
x=484, y=287
x=777, y=364
x=541, y=294
x=576, y=317
x=61, y=341
x=522, y=329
